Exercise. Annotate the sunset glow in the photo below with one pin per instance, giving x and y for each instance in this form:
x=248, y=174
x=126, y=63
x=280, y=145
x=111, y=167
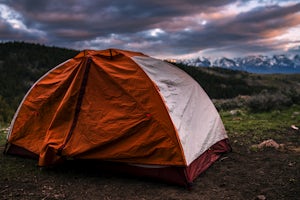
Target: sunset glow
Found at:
x=164, y=29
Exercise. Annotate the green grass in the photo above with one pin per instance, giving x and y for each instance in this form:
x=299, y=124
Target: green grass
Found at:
x=3, y=133
x=251, y=128
x=247, y=127
x=244, y=121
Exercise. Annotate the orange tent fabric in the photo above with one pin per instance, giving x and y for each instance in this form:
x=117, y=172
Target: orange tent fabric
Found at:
x=116, y=119
x=102, y=105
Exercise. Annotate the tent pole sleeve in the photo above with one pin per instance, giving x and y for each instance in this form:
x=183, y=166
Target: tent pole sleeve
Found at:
x=78, y=105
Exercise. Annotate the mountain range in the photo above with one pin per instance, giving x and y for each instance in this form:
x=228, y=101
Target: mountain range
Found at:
x=255, y=64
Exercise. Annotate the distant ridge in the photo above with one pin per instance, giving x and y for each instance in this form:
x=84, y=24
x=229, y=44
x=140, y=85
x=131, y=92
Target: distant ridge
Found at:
x=21, y=64
x=255, y=64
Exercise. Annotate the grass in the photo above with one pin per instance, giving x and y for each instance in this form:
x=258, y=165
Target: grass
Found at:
x=252, y=128
x=272, y=173
x=3, y=134
x=248, y=126
x=244, y=121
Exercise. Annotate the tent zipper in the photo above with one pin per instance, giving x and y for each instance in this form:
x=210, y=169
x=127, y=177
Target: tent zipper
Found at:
x=78, y=105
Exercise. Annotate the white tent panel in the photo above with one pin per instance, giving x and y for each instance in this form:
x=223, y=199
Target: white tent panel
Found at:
x=196, y=119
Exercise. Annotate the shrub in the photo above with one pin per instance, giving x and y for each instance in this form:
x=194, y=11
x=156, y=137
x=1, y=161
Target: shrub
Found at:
x=268, y=101
x=229, y=104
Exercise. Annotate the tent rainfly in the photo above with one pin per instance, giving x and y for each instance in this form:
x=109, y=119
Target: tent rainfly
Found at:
x=131, y=112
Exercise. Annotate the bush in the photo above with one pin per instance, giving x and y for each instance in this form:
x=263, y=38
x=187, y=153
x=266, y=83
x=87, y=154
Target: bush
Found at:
x=6, y=112
x=269, y=101
x=229, y=104
x=264, y=101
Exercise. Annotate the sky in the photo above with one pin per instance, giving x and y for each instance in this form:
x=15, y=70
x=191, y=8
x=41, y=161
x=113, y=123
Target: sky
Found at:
x=159, y=28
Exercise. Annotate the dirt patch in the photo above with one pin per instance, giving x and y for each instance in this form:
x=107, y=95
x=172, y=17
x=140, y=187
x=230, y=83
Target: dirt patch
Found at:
x=241, y=174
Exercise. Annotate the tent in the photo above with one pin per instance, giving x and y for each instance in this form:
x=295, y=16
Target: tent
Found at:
x=131, y=112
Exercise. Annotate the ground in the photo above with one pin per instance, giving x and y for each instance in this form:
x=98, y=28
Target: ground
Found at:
x=245, y=173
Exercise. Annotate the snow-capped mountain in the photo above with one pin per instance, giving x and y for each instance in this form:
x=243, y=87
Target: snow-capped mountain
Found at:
x=255, y=64
x=297, y=60
x=197, y=62
x=225, y=62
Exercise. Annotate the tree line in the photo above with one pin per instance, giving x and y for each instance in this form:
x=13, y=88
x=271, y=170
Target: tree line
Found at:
x=22, y=64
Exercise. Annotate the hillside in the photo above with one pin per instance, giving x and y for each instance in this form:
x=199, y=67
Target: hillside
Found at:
x=284, y=64
x=232, y=89
x=21, y=64
x=226, y=83
x=251, y=171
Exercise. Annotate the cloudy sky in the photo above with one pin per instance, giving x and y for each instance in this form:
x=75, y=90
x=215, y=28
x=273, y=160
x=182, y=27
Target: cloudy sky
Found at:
x=160, y=28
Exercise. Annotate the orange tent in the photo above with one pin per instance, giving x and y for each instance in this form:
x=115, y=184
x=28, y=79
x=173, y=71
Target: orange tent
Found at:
x=124, y=108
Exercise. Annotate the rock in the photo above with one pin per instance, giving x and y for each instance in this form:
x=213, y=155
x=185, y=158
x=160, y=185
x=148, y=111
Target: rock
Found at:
x=269, y=143
x=294, y=127
x=261, y=197
x=236, y=112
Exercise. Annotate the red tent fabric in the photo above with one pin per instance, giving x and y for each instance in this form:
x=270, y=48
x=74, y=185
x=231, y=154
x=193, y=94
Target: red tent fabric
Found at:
x=139, y=113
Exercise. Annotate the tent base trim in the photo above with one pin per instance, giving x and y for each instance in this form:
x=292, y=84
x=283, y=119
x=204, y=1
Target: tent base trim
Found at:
x=19, y=151
x=184, y=176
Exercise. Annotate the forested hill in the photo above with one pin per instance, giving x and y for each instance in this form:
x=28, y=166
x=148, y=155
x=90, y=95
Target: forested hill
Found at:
x=21, y=64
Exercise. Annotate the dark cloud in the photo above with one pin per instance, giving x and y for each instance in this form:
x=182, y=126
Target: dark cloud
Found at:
x=235, y=33
x=8, y=33
x=6, y=30
x=263, y=20
x=296, y=49
x=105, y=17
x=155, y=27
